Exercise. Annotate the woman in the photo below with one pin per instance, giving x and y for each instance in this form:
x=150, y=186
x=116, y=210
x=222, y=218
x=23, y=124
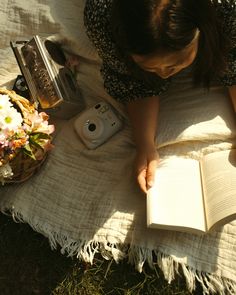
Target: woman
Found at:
x=142, y=43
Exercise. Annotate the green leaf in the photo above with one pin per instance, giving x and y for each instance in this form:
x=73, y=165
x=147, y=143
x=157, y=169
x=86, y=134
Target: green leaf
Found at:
x=38, y=139
x=40, y=135
x=28, y=151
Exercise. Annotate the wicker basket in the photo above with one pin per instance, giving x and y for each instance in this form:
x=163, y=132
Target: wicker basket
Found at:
x=23, y=166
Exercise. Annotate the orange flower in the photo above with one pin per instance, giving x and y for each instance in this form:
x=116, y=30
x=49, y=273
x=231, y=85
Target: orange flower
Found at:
x=19, y=143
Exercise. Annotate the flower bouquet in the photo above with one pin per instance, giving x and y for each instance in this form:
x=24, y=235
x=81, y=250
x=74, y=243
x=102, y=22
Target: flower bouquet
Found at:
x=25, y=137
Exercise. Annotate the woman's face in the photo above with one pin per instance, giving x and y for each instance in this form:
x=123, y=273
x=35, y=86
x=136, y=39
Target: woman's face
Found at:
x=166, y=65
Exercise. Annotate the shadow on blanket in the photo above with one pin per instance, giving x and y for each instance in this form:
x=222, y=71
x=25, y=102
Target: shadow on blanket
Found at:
x=87, y=201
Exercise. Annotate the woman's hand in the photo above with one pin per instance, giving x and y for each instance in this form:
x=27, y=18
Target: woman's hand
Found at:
x=145, y=167
x=143, y=114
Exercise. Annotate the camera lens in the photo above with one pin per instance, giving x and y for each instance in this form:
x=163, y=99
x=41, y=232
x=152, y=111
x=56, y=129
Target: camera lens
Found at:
x=92, y=127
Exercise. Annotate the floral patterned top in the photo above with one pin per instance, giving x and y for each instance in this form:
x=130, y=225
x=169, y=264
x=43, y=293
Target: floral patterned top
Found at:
x=120, y=81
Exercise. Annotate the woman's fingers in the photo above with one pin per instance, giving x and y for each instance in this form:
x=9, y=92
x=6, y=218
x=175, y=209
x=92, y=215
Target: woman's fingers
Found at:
x=141, y=178
x=150, y=175
x=146, y=169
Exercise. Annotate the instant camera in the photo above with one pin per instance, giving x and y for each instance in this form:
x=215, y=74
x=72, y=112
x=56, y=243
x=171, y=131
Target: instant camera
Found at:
x=97, y=124
x=46, y=79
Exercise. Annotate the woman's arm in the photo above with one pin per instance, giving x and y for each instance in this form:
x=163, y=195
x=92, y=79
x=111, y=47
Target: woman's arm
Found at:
x=122, y=85
x=232, y=94
x=143, y=114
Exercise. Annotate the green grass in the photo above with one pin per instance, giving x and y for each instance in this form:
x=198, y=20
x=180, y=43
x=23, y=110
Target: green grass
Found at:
x=28, y=266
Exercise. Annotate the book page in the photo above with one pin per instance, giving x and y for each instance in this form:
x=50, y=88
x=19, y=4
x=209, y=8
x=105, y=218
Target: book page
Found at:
x=219, y=182
x=175, y=201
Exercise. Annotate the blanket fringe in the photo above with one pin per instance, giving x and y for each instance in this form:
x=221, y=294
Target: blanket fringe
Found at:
x=87, y=249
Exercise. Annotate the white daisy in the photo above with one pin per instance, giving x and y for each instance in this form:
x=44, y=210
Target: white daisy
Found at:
x=10, y=119
x=5, y=172
x=4, y=102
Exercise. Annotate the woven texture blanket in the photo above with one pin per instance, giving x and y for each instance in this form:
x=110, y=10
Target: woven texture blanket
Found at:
x=86, y=201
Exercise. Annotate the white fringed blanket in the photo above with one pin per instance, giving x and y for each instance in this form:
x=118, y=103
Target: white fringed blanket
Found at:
x=86, y=201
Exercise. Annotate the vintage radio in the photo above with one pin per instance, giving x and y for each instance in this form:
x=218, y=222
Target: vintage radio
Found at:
x=49, y=82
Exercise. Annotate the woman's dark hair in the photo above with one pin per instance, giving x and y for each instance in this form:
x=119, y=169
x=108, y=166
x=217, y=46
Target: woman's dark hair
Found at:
x=147, y=26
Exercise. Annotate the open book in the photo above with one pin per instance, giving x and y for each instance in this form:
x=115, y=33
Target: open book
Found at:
x=193, y=196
